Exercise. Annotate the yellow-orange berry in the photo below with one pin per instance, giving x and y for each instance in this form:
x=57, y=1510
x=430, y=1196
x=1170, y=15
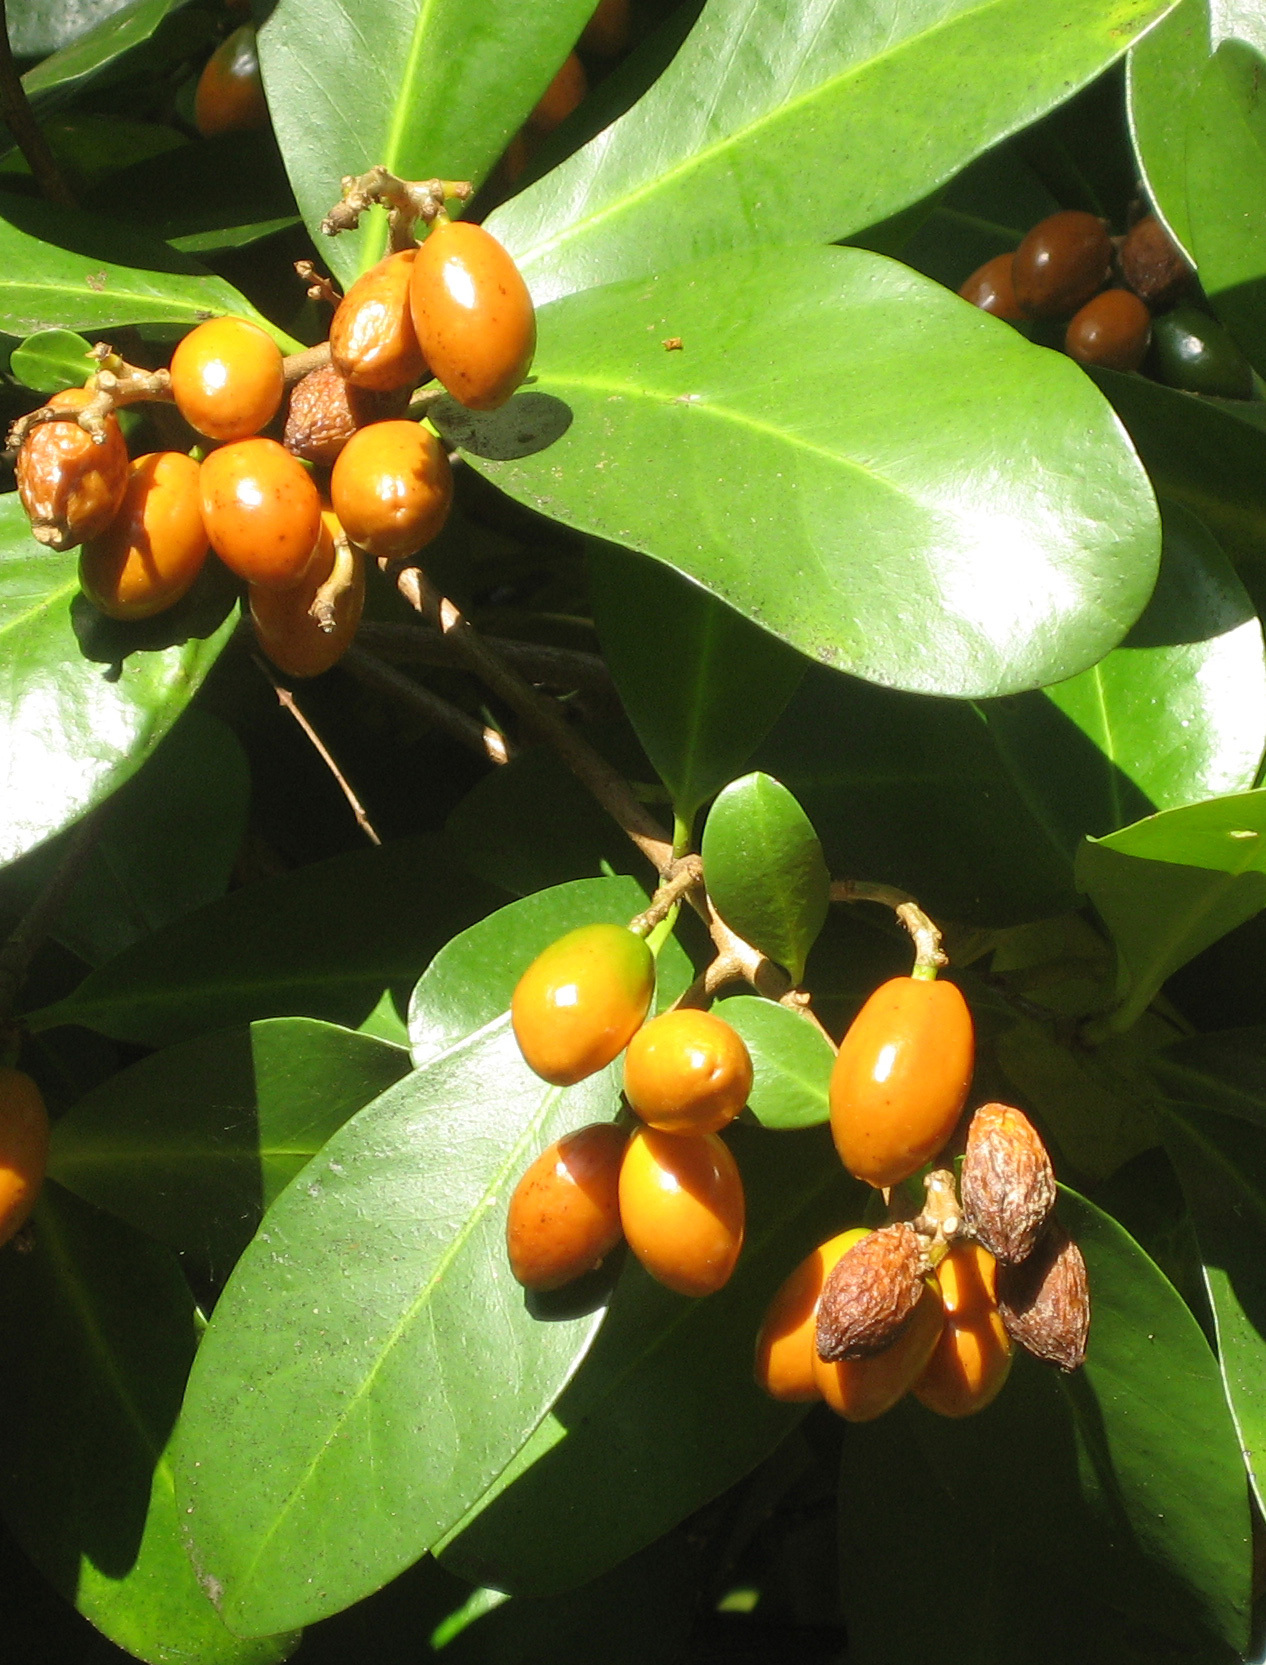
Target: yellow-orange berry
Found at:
x=973, y=1353
x=392, y=488
x=473, y=314
x=70, y=485
x=687, y=1071
x=682, y=1209
x=226, y=378
x=372, y=339
x=578, y=1004
x=153, y=549
x=24, y=1133
x=230, y=94
x=262, y=512
x=287, y=632
x=785, y=1348
x=564, y=1216
x=862, y=1389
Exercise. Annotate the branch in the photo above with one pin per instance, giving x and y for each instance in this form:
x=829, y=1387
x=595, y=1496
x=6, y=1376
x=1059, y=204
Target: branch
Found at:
x=929, y=956
x=554, y=667
x=288, y=703
x=16, y=110
x=440, y=713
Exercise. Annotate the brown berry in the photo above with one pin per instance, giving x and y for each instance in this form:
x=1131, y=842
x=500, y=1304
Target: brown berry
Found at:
x=991, y=289
x=71, y=486
x=325, y=412
x=1045, y=1301
x=1061, y=263
x=1007, y=1184
x=561, y=97
x=870, y=1294
x=1112, y=331
x=1152, y=264
x=564, y=1216
x=372, y=340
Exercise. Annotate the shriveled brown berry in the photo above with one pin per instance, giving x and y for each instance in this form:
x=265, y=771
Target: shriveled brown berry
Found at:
x=1152, y=263
x=1007, y=1184
x=991, y=289
x=71, y=486
x=871, y=1293
x=325, y=412
x=1061, y=263
x=1113, y=330
x=372, y=340
x=1045, y=1301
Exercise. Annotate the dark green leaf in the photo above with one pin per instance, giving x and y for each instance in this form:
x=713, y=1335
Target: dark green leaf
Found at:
x=791, y=1060
x=984, y=212
x=141, y=37
x=38, y=27
x=101, y=1331
x=224, y=193
x=765, y=871
x=51, y=360
x=855, y=461
x=89, y=147
x=373, y=1342
x=192, y=1144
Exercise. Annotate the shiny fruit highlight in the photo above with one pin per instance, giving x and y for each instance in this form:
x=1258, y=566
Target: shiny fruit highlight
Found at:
x=1061, y=263
x=681, y=1205
x=392, y=488
x=564, y=1216
x=230, y=93
x=70, y=486
x=785, y=1350
x=1112, y=331
x=578, y=1004
x=226, y=378
x=687, y=1071
x=473, y=314
x=372, y=339
x=154, y=548
x=262, y=512
x=990, y=288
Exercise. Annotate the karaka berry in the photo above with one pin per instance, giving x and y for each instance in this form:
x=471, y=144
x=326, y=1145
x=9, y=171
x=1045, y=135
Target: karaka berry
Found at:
x=295, y=641
x=154, y=548
x=973, y=1352
x=990, y=288
x=1152, y=263
x=564, y=1216
x=262, y=512
x=1061, y=263
x=682, y=1208
x=392, y=488
x=24, y=1136
x=230, y=93
x=325, y=411
x=687, y=1071
x=785, y=1347
x=579, y=1003
x=1192, y=351
x=372, y=340
x=901, y=1078
x=70, y=484
x=473, y=314
x=1112, y=331
x=227, y=379
x=561, y=97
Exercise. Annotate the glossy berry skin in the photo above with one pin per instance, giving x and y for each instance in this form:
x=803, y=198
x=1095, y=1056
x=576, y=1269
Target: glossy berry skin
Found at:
x=1192, y=351
x=70, y=486
x=372, y=340
x=285, y=630
x=687, y=1071
x=561, y=97
x=154, y=548
x=578, y=1004
x=785, y=1350
x=564, y=1216
x=973, y=1354
x=24, y=1133
x=1061, y=263
x=230, y=93
x=901, y=1078
x=392, y=488
x=681, y=1205
x=226, y=378
x=262, y=512
x=862, y=1389
x=473, y=315
x=990, y=288
x=1112, y=331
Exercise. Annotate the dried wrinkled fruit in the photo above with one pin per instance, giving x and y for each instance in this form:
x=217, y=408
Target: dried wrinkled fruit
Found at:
x=870, y=1294
x=325, y=411
x=1045, y=1301
x=862, y=1389
x=372, y=339
x=71, y=486
x=564, y=1216
x=1007, y=1184
x=1153, y=264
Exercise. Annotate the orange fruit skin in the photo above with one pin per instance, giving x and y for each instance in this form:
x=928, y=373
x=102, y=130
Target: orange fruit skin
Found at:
x=564, y=1216
x=262, y=512
x=687, y=1071
x=972, y=1357
x=226, y=378
x=990, y=288
x=561, y=97
x=230, y=94
x=284, y=630
x=682, y=1208
x=24, y=1134
x=153, y=549
x=1060, y=263
x=392, y=488
x=372, y=340
x=473, y=315
x=579, y=1003
x=862, y=1389
x=70, y=486
x=901, y=1078
x=785, y=1350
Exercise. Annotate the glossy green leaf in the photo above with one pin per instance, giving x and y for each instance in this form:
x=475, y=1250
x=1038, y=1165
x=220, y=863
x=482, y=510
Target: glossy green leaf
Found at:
x=89, y=148
x=791, y=1060
x=899, y=444
x=429, y=88
x=707, y=692
x=193, y=1143
x=223, y=193
x=143, y=37
x=101, y=1332
x=38, y=27
x=866, y=111
x=394, y=1367
x=984, y=212
x=51, y=360
x=83, y=701
x=323, y=942
x=470, y=981
x=1169, y=886
x=664, y=1414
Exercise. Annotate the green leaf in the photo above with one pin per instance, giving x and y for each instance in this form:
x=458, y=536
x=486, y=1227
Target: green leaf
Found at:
x=791, y=1059
x=101, y=1332
x=394, y=1367
x=192, y=1144
x=1169, y=886
x=84, y=701
x=51, y=360
x=817, y=124
x=470, y=981
x=713, y=686
x=90, y=148
x=146, y=36
x=439, y=89
x=323, y=942
x=908, y=482
x=38, y=27
x=986, y=211
x=765, y=871
x=223, y=193
x=664, y=1414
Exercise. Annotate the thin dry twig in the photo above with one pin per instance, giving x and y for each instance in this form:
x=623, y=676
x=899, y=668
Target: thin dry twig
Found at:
x=19, y=118
x=440, y=713
x=288, y=703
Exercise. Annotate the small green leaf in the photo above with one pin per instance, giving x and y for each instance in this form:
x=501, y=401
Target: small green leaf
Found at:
x=51, y=360
x=764, y=870
x=791, y=1060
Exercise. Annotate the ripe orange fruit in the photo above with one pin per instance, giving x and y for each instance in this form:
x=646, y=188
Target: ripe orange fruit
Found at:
x=473, y=314
x=24, y=1133
x=973, y=1353
x=687, y=1071
x=372, y=340
x=862, y=1389
x=154, y=547
x=681, y=1205
x=392, y=488
x=564, y=1215
x=578, y=1004
x=226, y=378
x=785, y=1347
x=262, y=512
x=70, y=486
x=285, y=629
x=230, y=94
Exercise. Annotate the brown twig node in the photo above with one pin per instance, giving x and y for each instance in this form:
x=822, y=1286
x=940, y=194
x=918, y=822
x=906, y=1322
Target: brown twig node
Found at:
x=113, y=384
x=319, y=287
x=406, y=200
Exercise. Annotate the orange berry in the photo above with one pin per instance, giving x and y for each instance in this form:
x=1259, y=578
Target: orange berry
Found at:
x=230, y=96
x=973, y=1353
x=24, y=1133
x=785, y=1347
x=473, y=314
x=862, y=1389
x=578, y=1004
x=71, y=486
x=681, y=1205
x=561, y=97
x=392, y=488
x=991, y=289
x=687, y=1071
x=1113, y=330
x=284, y=627
x=262, y=512
x=226, y=378
x=901, y=1078
x=372, y=340
x=564, y=1215
x=153, y=549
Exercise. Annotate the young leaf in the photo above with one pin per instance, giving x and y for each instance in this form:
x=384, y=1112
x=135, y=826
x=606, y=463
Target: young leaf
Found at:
x=51, y=360
x=791, y=1061
x=765, y=871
